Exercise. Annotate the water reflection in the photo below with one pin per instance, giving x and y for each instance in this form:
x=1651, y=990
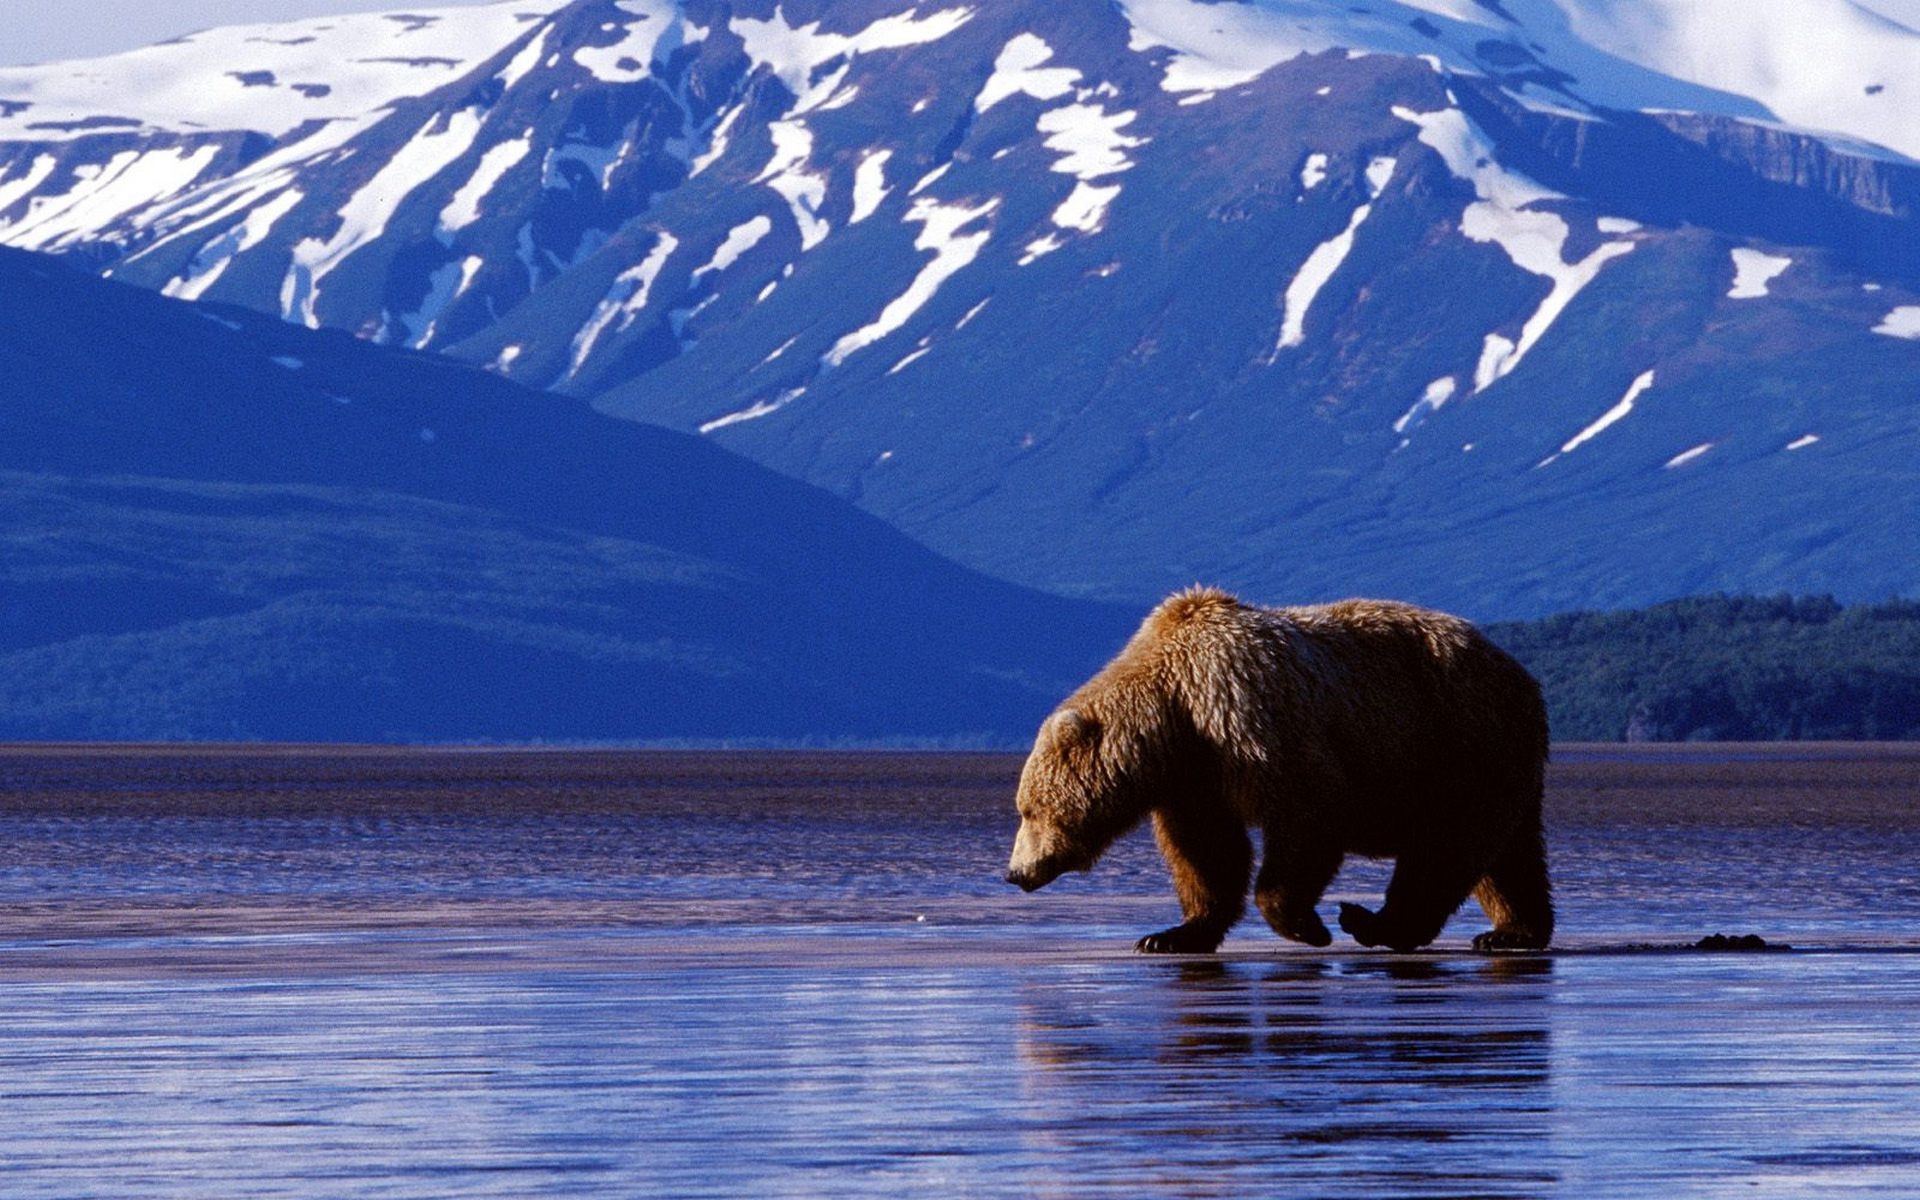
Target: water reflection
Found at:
x=1351, y=1077
x=424, y=975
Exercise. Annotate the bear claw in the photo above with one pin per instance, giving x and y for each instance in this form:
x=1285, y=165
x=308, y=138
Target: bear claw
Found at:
x=1496, y=940
x=1314, y=934
x=1179, y=940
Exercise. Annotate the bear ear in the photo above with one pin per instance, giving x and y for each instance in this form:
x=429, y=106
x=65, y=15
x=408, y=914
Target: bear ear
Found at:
x=1075, y=726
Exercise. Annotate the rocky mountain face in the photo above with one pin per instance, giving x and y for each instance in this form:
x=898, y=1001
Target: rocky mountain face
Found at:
x=1506, y=305
x=218, y=526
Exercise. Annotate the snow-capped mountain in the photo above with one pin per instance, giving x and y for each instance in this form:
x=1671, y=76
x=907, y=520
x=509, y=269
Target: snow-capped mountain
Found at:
x=217, y=526
x=1512, y=305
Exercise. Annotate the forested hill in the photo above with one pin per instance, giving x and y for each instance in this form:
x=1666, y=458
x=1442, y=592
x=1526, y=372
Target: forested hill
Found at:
x=1722, y=668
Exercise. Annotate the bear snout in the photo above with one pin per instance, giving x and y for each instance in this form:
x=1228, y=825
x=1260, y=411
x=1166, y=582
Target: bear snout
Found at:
x=1032, y=876
x=1032, y=879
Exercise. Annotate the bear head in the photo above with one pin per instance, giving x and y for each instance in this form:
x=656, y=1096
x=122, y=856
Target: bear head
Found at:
x=1083, y=785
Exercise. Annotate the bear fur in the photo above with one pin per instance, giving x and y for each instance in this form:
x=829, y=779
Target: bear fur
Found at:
x=1364, y=727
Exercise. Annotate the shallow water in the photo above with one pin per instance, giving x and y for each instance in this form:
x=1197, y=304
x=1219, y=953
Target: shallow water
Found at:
x=401, y=974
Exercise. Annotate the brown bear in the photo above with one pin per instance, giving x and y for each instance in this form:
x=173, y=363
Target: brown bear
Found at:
x=1363, y=727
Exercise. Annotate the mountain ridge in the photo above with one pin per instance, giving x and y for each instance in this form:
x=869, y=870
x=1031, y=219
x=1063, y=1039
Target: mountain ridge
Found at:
x=1103, y=298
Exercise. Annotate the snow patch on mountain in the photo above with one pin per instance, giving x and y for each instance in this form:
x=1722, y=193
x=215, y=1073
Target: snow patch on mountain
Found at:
x=11, y=190
x=1018, y=71
x=623, y=302
x=523, y=63
x=740, y=239
x=207, y=207
x=1092, y=145
x=929, y=179
x=794, y=52
x=464, y=208
x=1503, y=214
x=438, y=144
x=804, y=191
x=1089, y=139
x=1210, y=46
x=1379, y=174
x=599, y=160
x=102, y=192
x=717, y=140
x=678, y=319
x=913, y=356
x=1085, y=208
x=1753, y=271
x=755, y=411
x=1085, y=135
x=1326, y=259
x=1902, y=322
x=210, y=262
x=941, y=231
x=1606, y=419
x=444, y=286
x=1039, y=248
x=1431, y=401
x=1686, y=456
x=869, y=185
x=779, y=350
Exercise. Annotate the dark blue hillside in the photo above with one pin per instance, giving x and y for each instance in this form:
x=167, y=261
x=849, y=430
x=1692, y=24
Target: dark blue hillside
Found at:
x=219, y=526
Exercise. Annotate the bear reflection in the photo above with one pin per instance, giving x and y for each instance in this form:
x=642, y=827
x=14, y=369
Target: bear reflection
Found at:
x=1346, y=1077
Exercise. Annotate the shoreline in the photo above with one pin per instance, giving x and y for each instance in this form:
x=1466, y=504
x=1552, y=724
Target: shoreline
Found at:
x=1567, y=751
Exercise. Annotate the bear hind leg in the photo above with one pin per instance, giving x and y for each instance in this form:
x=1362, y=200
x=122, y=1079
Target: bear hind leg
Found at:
x=1210, y=858
x=1517, y=895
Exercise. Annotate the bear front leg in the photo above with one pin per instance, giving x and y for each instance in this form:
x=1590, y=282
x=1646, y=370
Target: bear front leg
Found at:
x=1294, y=876
x=1426, y=888
x=1210, y=857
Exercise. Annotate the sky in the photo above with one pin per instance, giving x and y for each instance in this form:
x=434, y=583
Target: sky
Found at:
x=46, y=30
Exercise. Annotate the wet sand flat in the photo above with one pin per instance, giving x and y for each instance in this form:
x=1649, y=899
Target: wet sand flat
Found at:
x=337, y=972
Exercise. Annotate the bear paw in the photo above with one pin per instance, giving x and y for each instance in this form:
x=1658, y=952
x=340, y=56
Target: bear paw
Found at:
x=1372, y=931
x=1360, y=924
x=1496, y=941
x=1181, y=939
x=1308, y=930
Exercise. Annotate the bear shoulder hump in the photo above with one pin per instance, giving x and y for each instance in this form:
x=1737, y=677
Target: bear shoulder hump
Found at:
x=1191, y=605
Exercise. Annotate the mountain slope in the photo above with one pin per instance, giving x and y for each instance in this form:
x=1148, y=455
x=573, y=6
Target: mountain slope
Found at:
x=219, y=526
x=1507, y=305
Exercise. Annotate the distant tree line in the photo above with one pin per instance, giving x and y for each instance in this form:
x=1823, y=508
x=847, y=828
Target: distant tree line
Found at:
x=1728, y=668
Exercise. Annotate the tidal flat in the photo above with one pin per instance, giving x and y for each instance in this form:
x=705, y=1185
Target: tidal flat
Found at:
x=273, y=972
